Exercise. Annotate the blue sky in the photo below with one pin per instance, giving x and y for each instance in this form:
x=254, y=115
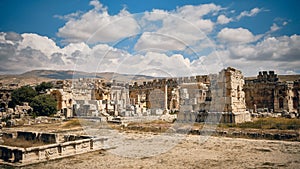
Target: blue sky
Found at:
x=38, y=16
x=239, y=33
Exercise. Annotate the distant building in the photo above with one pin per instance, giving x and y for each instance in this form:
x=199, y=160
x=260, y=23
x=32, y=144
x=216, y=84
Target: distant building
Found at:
x=268, y=93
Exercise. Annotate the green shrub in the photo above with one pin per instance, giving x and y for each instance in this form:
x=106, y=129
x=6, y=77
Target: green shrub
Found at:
x=43, y=105
x=22, y=94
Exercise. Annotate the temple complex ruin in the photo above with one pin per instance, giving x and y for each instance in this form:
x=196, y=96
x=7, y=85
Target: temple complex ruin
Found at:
x=224, y=97
x=268, y=93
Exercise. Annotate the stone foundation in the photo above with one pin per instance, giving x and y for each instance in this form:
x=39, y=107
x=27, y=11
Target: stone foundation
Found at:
x=215, y=117
x=17, y=156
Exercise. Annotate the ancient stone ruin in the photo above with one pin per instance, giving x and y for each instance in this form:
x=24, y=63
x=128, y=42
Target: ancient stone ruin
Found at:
x=268, y=94
x=224, y=97
x=53, y=147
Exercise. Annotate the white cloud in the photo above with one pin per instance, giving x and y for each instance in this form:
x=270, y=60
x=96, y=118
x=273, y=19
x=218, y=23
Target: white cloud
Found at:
x=191, y=12
x=282, y=48
x=274, y=27
x=244, y=51
x=2, y=36
x=27, y=55
x=155, y=14
x=70, y=16
x=98, y=26
x=279, y=53
x=238, y=35
x=97, y=5
x=272, y=53
x=163, y=31
x=153, y=63
x=42, y=43
x=195, y=14
x=276, y=49
x=13, y=37
x=154, y=41
x=251, y=13
x=184, y=26
x=222, y=19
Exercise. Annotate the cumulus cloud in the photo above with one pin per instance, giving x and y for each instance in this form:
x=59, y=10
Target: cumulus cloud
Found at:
x=153, y=63
x=154, y=41
x=163, y=40
x=37, y=42
x=12, y=36
x=97, y=25
x=97, y=5
x=271, y=53
x=250, y=13
x=222, y=19
x=185, y=25
x=238, y=35
x=274, y=27
x=192, y=12
x=17, y=58
x=284, y=48
x=279, y=53
x=70, y=16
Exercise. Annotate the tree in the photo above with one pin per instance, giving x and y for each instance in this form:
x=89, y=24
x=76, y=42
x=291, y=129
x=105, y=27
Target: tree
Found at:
x=43, y=87
x=22, y=94
x=43, y=105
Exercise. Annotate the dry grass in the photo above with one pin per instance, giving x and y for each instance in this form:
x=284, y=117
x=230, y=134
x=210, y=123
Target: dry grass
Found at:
x=268, y=123
x=22, y=142
x=76, y=123
x=152, y=123
x=71, y=123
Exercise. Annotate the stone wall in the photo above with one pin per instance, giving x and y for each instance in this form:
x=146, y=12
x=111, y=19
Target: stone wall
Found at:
x=268, y=93
x=64, y=101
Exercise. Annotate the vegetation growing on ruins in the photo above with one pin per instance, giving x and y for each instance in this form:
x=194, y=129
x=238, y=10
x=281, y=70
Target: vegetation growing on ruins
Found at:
x=43, y=87
x=43, y=105
x=21, y=95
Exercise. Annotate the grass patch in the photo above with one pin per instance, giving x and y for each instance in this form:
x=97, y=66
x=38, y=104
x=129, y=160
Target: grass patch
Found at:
x=72, y=123
x=268, y=123
x=154, y=122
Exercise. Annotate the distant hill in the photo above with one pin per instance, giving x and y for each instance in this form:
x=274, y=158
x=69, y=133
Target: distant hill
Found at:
x=68, y=74
x=55, y=74
x=38, y=76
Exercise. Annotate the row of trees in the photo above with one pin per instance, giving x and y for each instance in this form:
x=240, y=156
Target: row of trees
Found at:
x=42, y=104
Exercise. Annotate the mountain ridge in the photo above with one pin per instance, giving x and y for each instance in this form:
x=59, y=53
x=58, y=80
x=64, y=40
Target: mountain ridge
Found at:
x=40, y=75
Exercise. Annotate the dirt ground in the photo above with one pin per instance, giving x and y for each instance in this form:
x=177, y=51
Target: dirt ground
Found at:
x=190, y=152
